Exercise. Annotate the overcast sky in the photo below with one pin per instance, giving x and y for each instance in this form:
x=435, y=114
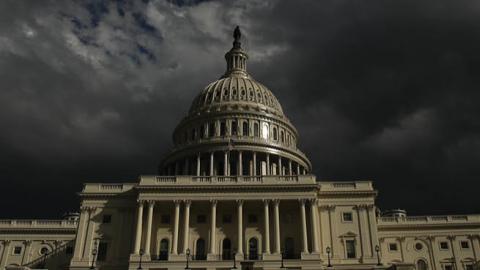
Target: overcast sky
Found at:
x=388, y=91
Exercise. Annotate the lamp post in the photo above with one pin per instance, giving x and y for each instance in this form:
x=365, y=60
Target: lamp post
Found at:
x=94, y=254
x=282, y=267
x=377, y=250
x=188, y=257
x=234, y=261
x=328, y=256
x=140, y=262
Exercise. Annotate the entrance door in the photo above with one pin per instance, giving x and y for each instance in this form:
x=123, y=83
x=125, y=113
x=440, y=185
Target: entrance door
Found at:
x=253, y=249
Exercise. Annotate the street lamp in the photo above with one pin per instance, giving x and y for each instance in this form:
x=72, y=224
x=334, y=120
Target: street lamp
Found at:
x=140, y=262
x=94, y=254
x=328, y=256
x=234, y=261
x=377, y=250
x=282, y=267
x=188, y=257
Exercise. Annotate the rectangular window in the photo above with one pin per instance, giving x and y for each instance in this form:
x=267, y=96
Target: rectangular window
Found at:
x=252, y=218
x=17, y=250
x=234, y=128
x=350, y=248
x=165, y=219
x=102, y=252
x=393, y=247
x=201, y=219
x=464, y=244
x=106, y=219
x=227, y=219
x=444, y=245
x=347, y=216
x=223, y=128
x=447, y=267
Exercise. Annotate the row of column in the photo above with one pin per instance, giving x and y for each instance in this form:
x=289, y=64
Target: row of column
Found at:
x=213, y=226
x=264, y=166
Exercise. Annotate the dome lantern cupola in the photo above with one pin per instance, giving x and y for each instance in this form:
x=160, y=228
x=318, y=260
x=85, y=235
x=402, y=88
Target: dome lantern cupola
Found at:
x=236, y=58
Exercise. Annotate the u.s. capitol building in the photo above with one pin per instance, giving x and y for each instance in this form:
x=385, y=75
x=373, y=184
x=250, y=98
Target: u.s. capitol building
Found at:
x=236, y=192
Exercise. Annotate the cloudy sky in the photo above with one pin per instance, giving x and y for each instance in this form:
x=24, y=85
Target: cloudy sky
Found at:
x=379, y=90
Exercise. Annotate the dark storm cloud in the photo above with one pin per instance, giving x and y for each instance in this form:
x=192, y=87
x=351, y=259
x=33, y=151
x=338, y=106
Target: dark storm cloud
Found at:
x=379, y=90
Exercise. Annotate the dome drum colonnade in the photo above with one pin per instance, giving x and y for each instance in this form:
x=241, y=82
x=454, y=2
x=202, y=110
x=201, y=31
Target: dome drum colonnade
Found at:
x=235, y=126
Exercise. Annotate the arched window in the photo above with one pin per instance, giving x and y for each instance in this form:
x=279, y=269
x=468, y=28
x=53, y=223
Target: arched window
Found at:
x=193, y=134
x=226, y=249
x=223, y=128
x=265, y=130
x=234, y=128
x=421, y=265
x=211, y=129
x=200, y=250
x=245, y=128
x=253, y=249
x=256, y=130
x=289, y=248
x=275, y=134
x=282, y=136
x=163, y=250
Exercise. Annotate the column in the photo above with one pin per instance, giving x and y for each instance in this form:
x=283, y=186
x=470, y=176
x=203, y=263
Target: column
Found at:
x=304, y=226
x=432, y=248
x=280, y=167
x=277, y=226
x=148, y=236
x=240, y=226
x=27, y=251
x=175, y=227
x=362, y=232
x=225, y=163
x=211, y=163
x=80, y=239
x=314, y=218
x=401, y=240
x=254, y=163
x=267, y=226
x=290, y=167
x=268, y=165
x=240, y=164
x=5, y=253
x=333, y=232
x=298, y=169
x=472, y=239
x=198, y=164
x=138, y=235
x=186, y=229
x=454, y=251
x=213, y=226
x=372, y=222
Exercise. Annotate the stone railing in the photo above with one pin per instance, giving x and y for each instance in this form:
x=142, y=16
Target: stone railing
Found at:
x=346, y=186
x=37, y=223
x=428, y=220
x=148, y=180
x=107, y=187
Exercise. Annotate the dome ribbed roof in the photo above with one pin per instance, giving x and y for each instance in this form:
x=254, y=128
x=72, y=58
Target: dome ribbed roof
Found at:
x=236, y=91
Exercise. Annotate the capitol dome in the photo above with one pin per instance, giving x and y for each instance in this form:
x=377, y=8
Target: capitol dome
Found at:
x=235, y=127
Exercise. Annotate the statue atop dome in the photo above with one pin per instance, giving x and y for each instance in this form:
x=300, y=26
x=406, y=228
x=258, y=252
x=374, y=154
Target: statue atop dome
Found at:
x=237, y=35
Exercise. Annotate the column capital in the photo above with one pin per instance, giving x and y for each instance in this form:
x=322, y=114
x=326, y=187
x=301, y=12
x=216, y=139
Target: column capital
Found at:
x=400, y=238
x=473, y=236
x=431, y=237
x=6, y=242
x=313, y=201
x=381, y=239
x=266, y=201
x=151, y=203
x=239, y=202
x=213, y=202
x=360, y=207
x=141, y=202
x=27, y=242
x=451, y=237
x=187, y=202
x=276, y=202
x=302, y=201
x=177, y=202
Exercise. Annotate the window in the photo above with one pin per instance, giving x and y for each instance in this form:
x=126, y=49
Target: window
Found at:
x=226, y=249
x=227, y=219
x=282, y=136
x=211, y=129
x=468, y=266
x=165, y=219
x=106, y=219
x=202, y=131
x=418, y=246
x=44, y=250
x=234, y=128
x=256, y=130
x=69, y=250
x=275, y=134
x=447, y=267
x=201, y=219
x=223, y=128
x=200, y=250
x=253, y=249
x=444, y=245
x=393, y=247
x=421, y=265
x=102, y=252
x=350, y=249
x=245, y=129
x=464, y=244
x=163, y=255
x=265, y=130
x=252, y=218
x=17, y=250
x=347, y=216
